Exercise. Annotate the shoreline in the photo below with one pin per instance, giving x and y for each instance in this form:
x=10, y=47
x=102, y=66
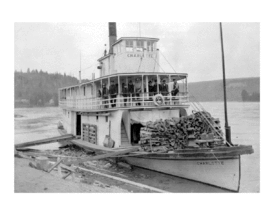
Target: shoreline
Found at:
x=30, y=180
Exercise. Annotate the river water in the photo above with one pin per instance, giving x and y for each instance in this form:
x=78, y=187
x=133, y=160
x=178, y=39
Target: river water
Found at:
x=244, y=119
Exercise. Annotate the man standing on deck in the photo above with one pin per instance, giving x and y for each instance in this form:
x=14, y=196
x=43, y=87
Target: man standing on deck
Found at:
x=155, y=87
x=151, y=89
x=137, y=89
x=113, y=93
x=125, y=93
x=175, y=89
x=105, y=95
x=164, y=88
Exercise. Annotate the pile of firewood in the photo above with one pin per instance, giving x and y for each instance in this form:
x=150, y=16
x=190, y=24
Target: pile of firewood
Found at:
x=175, y=134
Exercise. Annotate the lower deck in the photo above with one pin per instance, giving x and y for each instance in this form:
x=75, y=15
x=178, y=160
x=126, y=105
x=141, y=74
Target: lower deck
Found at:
x=121, y=125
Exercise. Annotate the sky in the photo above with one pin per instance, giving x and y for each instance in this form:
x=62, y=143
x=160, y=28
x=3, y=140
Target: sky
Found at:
x=193, y=48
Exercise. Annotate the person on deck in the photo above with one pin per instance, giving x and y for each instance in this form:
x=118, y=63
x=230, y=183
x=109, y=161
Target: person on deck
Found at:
x=131, y=88
x=113, y=93
x=155, y=87
x=125, y=93
x=137, y=88
x=175, y=89
x=151, y=89
x=164, y=88
x=105, y=94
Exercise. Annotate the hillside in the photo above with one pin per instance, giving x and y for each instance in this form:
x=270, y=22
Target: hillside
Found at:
x=241, y=89
x=33, y=88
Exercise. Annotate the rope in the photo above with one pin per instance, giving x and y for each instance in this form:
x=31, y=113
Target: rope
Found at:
x=199, y=106
x=196, y=107
x=140, y=62
x=169, y=63
x=158, y=64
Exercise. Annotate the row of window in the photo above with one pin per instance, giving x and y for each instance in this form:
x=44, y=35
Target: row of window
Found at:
x=141, y=45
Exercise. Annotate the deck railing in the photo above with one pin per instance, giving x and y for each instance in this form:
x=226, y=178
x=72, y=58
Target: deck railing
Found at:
x=123, y=101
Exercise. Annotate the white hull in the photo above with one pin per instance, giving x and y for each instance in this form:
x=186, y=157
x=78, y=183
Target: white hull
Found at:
x=224, y=173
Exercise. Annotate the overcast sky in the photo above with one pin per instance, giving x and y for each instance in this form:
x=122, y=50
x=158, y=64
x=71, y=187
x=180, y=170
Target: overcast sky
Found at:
x=192, y=48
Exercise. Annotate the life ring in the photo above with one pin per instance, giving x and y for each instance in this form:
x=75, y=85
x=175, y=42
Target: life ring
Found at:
x=158, y=100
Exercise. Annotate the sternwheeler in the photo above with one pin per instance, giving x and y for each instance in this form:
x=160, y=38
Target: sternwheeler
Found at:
x=134, y=105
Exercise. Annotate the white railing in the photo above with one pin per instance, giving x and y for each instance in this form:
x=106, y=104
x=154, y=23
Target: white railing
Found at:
x=143, y=100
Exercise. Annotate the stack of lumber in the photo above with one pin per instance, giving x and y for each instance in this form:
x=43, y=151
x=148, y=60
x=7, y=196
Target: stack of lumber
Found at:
x=175, y=134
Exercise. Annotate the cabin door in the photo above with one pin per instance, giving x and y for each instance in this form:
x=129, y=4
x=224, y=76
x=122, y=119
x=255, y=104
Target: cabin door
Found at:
x=78, y=124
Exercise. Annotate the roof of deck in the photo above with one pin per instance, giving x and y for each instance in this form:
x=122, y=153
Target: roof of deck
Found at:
x=134, y=38
x=127, y=74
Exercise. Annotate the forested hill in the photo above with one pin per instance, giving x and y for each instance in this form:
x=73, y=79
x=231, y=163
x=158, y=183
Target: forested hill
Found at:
x=241, y=89
x=33, y=88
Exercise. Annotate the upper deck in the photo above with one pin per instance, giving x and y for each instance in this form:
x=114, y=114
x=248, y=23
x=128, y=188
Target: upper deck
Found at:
x=89, y=96
x=130, y=55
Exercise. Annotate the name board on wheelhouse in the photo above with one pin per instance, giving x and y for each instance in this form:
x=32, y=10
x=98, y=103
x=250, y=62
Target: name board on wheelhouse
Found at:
x=140, y=55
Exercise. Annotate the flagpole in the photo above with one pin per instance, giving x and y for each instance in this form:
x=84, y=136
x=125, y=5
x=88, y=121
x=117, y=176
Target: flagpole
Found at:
x=80, y=68
x=227, y=128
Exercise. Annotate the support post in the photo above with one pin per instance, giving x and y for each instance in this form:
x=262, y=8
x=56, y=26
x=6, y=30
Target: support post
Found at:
x=142, y=90
x=147, y=87
x=158, y=84
x=119, y=92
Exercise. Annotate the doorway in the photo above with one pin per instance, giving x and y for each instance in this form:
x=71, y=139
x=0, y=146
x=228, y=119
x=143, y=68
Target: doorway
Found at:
x=135, y=133
x=78, y=124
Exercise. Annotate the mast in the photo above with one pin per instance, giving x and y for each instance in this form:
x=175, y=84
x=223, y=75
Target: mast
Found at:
x=227, y=128
x=80, y=69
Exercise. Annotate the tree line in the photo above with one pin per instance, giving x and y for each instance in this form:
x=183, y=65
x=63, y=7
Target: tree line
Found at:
x=255, y=96
x=39, y=88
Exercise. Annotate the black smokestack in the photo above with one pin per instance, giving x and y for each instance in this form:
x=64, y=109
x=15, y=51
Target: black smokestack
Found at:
x=112, y=35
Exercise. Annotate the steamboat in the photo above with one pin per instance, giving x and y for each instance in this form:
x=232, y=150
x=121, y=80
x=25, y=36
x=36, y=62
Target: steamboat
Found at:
x=131, y=105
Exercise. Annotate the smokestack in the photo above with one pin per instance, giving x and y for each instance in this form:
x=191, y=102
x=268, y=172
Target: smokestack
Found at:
x=112, y=35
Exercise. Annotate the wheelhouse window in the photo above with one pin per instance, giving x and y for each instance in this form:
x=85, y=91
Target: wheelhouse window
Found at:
x=140, y=45
x=129, y=45
x=150, y=46
x=84, y=90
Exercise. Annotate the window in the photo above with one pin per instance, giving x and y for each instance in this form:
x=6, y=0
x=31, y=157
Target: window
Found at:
x=140, y=45
x=84, y=90
x=150, y=46
x=129, y=45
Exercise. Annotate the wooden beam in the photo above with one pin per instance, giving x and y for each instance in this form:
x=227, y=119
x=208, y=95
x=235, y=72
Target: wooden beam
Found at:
x=45, y=141
x=55, y=165
x=125, y=181
x=107, y=155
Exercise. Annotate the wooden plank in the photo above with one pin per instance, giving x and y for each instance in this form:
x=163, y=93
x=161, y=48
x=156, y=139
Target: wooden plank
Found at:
x=107, y=155
x=66, y=175
x=125, y=180
x=66, y=167
x=55, y=165
x=45, y=141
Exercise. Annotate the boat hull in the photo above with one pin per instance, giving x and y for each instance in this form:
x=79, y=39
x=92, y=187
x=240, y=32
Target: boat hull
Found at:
x=224, y=173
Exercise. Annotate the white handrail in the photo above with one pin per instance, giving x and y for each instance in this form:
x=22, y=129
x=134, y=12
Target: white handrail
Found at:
x=130, y=100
